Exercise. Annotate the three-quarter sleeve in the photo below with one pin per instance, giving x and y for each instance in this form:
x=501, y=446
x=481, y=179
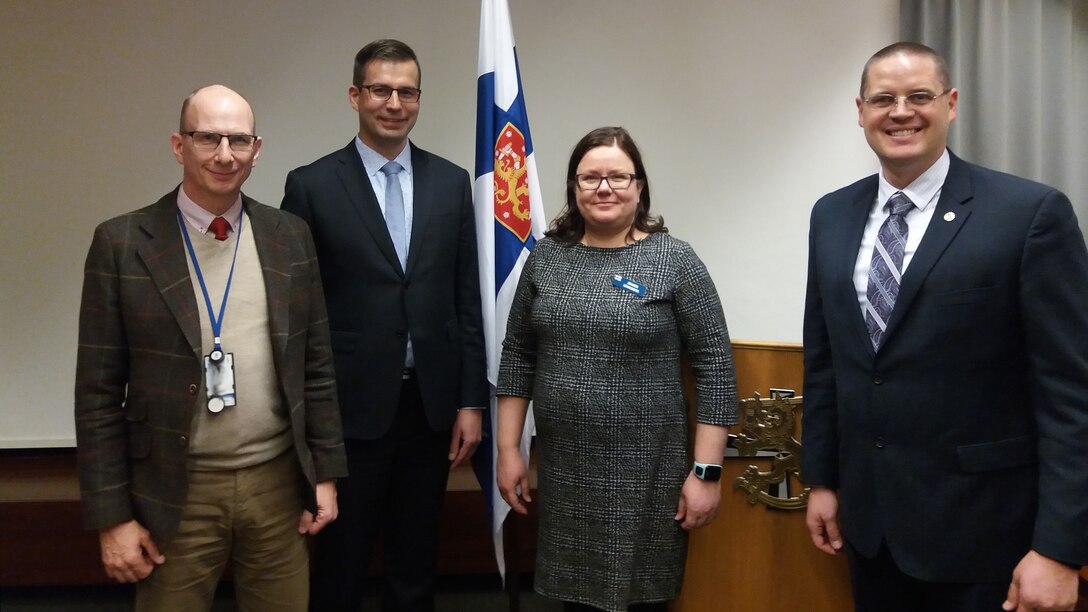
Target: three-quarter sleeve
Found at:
x=705, y=339
x=517, y=367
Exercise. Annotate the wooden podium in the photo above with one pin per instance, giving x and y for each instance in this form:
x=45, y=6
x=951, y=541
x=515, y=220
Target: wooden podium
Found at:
x=753, y=558
x=758, y=559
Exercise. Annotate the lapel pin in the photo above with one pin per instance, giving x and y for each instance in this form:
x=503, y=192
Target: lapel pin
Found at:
x=949, y=216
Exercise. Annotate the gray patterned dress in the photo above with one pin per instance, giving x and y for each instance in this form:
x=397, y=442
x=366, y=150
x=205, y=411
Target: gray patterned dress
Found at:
x=602, y=365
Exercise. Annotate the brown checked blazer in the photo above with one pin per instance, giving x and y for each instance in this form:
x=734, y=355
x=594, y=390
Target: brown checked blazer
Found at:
x=139, y=374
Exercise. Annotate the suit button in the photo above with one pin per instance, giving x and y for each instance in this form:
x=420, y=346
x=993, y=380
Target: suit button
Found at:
x=879, y=442
x=183, y=441
x=878, y=380
x=192, y=389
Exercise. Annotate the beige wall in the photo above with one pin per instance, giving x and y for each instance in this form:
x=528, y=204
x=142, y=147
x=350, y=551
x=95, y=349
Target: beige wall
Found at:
x=744, y=111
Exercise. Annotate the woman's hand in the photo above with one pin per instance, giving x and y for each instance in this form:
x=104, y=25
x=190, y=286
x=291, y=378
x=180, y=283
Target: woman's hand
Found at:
x=699, y=502
x=512, y=476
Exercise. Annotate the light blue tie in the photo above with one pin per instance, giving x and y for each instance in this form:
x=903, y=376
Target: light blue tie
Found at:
x=394, y=221
x=886, y=267
x=394, y=211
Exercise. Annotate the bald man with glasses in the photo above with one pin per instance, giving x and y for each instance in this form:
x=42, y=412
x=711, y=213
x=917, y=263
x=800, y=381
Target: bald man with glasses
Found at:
x=207, y=426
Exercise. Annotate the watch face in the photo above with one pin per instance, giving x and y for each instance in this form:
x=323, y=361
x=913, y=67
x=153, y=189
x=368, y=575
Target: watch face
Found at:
x=708, y=472
x=712, y=473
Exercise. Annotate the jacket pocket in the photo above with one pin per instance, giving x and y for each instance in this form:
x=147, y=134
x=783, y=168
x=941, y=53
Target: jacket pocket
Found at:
x=453, y=331
x=966, y=296
x=135, y=410
x=139, y=441
x=139, y=435
x=998, y=455
x=343, y=342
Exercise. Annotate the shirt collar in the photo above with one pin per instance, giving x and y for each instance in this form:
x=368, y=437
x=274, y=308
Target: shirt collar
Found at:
x=373, y=161
x=199, y=218
x=924, y=190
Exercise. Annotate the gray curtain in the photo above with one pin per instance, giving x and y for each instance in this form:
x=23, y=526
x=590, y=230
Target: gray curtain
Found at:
x=1022, y=70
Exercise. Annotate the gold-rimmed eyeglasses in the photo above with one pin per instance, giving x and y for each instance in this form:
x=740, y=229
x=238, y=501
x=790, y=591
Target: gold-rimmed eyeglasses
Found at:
x=913, y=100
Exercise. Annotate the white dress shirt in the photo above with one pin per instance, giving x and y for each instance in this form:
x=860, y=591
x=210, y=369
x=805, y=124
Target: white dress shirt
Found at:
x=924, y=192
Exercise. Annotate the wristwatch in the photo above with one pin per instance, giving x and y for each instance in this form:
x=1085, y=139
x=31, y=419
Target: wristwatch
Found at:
x=707, y=471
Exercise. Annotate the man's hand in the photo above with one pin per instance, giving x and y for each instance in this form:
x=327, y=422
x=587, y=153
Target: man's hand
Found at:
x=326, y=509
x=128, y=554
x=512, y=478
x=822, y=519
x=466, y=435
x=699, y=501
x=1041, y=583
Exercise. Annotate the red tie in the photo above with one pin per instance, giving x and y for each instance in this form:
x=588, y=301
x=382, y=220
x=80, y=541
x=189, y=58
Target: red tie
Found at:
x=220, y=226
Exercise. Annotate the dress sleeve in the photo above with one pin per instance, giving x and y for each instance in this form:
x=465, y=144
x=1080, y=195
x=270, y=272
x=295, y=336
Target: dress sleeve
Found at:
x=517, y=368
x=705, y=340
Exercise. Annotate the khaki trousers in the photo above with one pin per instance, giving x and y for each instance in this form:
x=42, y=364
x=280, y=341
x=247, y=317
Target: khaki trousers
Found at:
x=248, y=516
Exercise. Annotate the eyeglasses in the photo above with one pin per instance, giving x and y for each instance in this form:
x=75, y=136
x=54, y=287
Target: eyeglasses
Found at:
x=209, y=141
x=914, y=100
x=616, y=182
x=381, y=92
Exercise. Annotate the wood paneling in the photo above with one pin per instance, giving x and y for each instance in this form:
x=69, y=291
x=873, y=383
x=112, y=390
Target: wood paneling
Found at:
x=42, y=542
x=753, y=558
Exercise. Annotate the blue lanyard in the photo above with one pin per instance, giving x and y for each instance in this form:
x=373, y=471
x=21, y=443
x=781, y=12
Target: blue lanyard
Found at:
x=217, y=322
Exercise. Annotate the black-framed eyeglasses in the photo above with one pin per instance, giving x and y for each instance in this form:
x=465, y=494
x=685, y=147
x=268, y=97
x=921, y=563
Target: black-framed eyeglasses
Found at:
x=913, y=100
x=616, y=182
x=209, y=141
x=381, y=92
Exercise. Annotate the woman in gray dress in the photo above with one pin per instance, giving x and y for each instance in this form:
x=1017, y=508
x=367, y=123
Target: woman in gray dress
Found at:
x=605, y=305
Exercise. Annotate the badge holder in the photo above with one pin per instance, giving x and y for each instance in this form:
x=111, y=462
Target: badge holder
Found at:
x=219, y=379
x=218, y=366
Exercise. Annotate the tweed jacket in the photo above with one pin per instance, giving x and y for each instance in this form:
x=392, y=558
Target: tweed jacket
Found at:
x=139, y=370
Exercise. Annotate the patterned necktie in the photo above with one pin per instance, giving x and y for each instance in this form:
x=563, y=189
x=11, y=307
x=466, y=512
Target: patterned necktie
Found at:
x=886, y=267
x=219, y=226
x=394, y=211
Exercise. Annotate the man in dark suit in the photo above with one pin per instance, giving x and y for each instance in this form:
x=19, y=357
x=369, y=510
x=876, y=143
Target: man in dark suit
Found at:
x=205, y=402
x=396, y=240
x=946, y=367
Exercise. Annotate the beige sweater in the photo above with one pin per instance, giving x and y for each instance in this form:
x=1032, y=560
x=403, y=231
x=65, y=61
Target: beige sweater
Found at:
x=256, y=429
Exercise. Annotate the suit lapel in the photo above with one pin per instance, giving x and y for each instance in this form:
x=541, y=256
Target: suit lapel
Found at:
x=853, y=230
x=422, y=204
x=274, y=254
x=163, y=253
x=352, y=175
x=953, y=208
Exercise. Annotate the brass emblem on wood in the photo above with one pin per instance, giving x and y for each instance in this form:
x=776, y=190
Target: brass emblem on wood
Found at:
x=768, y=429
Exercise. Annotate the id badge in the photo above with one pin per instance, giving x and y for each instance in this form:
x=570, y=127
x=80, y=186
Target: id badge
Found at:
x=219, y=380
x=621, y=282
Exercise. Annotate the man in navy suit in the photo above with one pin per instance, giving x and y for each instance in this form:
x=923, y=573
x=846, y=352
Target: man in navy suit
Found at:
x=396, y=243
x=946, y=367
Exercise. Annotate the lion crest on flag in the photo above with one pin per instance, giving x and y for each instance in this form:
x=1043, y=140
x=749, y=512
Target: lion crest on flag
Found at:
x=511, y=184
